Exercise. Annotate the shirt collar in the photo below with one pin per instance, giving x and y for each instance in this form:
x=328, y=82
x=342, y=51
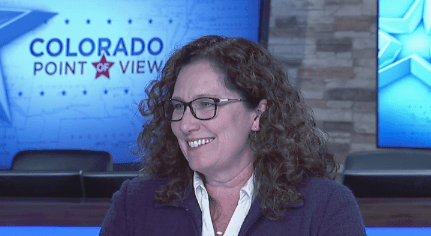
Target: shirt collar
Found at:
x=197, y=182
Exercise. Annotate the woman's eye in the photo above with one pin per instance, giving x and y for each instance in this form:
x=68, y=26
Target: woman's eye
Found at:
x=178, y=106
x=207, y=104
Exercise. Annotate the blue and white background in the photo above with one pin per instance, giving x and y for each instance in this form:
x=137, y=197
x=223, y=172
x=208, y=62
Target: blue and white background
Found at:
x=404, y=73
x=72, y=72
x=91, y=231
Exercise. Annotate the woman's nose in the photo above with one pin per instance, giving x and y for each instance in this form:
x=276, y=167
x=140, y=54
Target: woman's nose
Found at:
x=188, y=123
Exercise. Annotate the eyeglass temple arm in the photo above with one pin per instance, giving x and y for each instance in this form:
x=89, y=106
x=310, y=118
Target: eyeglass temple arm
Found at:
x=229, y=99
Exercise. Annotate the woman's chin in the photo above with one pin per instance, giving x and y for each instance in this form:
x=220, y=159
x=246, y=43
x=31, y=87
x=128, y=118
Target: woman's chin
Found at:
x=197, y=167
x=200, y=167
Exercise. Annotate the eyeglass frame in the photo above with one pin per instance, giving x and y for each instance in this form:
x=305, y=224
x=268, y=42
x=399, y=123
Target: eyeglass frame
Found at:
x=189, y=104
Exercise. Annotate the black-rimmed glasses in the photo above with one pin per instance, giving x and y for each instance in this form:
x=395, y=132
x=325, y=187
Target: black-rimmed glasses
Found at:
x=204, y=108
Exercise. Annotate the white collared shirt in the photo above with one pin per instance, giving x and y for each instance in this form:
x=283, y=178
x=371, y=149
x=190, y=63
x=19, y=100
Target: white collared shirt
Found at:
x=241, y=211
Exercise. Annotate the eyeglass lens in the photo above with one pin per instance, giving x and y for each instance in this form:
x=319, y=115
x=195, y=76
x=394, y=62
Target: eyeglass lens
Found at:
x=203, y=108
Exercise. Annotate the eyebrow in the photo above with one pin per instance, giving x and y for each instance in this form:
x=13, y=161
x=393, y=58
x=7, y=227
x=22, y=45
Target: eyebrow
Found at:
x=199, y=96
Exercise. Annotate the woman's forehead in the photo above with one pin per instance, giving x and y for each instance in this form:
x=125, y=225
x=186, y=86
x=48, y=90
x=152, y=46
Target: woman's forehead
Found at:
x=200, y=79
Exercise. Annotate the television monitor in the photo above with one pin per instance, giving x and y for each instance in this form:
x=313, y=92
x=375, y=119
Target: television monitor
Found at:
x=73, y=72
x=404, y=74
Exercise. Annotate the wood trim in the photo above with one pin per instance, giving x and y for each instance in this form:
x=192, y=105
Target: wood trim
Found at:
x=53, y=212
x=396, y=212
x=376, y=212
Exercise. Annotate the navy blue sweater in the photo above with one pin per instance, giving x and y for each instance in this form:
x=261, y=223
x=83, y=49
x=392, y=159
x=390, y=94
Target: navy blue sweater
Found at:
x=328, y=208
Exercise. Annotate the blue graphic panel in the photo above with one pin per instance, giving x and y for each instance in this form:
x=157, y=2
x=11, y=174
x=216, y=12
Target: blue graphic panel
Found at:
x=404, y=75
x=398, y=231
x=72, y=72
x=90, y=231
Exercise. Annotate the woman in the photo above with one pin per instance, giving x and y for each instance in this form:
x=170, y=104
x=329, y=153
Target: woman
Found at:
x=232, y=150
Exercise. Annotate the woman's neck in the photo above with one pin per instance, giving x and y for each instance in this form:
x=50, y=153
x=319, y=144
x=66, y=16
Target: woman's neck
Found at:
x=224, y=189
x=232, y=181
x=225, y=194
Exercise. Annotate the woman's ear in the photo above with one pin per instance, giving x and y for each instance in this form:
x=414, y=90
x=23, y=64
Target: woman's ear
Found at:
x=259, y=110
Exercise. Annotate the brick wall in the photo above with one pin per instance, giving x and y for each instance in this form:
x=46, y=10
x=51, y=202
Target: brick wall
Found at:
x=329, y=47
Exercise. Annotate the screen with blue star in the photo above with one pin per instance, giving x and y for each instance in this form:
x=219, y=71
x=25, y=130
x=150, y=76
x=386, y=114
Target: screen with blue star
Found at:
x=73, y=72
x=404, y=74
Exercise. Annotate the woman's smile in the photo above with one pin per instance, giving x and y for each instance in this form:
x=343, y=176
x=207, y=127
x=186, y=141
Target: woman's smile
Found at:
x=199, y=142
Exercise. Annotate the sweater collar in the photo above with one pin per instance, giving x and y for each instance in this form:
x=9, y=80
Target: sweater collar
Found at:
x=191, y=205
x=256, y=214
x=190, y=202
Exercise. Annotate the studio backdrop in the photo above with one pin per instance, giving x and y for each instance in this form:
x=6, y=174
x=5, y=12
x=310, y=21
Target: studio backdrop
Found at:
x=72, y=72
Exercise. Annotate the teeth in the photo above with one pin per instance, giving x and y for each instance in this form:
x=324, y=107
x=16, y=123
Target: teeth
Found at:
x=199, y=142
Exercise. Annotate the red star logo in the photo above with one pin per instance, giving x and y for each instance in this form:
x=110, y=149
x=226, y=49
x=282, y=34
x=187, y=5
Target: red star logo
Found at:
x=102, y=67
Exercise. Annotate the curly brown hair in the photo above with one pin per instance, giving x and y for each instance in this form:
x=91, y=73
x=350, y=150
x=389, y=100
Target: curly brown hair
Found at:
x=287, y=149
